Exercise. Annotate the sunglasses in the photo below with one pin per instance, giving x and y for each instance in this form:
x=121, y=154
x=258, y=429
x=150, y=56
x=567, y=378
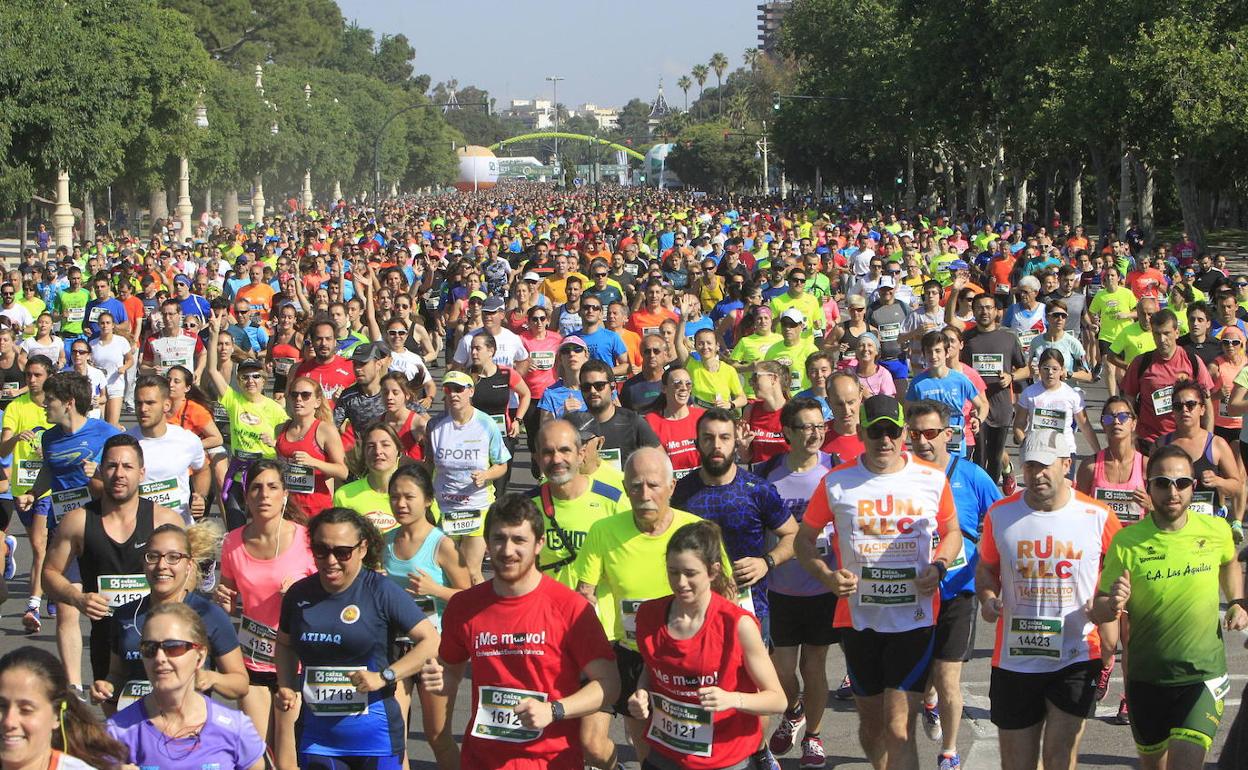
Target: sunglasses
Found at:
x=678, y=384
x=1232, y=343
x=1057, y=315
x=172, y=558
x=453, y=388
x=595, y=386
x=302, y=395
x=1110, y=418
x=879, y=431
x=595, y=308
x=340, y=552
x=80, y=352
x=1187, y=406
x=174, y=648
x=572, y=349
x=251, y=376
x=396, y=333
x=1165, y=482
x=928, y=433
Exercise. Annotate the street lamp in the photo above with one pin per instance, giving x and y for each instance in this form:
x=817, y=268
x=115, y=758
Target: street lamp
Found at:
x=307, y=172
x=554, y=104
x=257, y=188
x=184, y=173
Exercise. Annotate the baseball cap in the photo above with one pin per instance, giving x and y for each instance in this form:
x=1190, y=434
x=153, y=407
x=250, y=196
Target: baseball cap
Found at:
x=478, y=295
x=794, y=315
x=1045, y=446
x=369, y=351
x=573, y=341
x=457, y=378
x=250, y=363
x=532, y=277
x=492, y=305
x=585, y=423
x=881, y=408
x=958, y=264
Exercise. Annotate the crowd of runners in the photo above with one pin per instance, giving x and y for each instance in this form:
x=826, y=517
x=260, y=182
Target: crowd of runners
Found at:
x=760, y=430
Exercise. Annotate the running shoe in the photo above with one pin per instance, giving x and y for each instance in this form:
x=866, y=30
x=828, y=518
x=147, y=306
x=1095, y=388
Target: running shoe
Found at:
x=10, y=558
x=208, y=583
x=931, y=722
x=1102, y=682
x=783, y=738
x=52, y=609
x=31, y=620
x=813, y=756
x=764, y=759
x=949, y=761
x=1009, y=485
x=79, y=692
x=1123, y=717
x=846, y=690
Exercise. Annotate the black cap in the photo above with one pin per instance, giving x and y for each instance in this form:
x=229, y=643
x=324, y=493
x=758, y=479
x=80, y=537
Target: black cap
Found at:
x=879, y=408
x=369, y=351
x=585, y=424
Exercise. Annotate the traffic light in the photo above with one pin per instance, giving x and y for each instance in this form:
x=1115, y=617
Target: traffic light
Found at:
x=775, y=101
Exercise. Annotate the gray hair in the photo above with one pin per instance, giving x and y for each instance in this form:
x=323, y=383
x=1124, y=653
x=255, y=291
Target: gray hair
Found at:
x=1029, y=282
x=630, y=463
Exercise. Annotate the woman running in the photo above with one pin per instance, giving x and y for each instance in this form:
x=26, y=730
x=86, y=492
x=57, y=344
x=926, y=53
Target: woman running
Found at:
x=338, y=624
x=1052, y=404
x=408, y=424
x=112, y=353
x=80, y=362
x=259, y=562
x=45, y=343
x=708, y=680
x=423, y=561
x=763, y=437
x=875, y=379
x=675, y=422
x=494, y=391
x=312, y=449
x=175, y=726
x=285, y=348
x=369, y=496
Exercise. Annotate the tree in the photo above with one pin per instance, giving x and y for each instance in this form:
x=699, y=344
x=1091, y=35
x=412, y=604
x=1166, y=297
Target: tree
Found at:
x=700, y=73
x=634, y=121
x=751, y=56
x=392, y=61
x=707, y=156
x=684, y=84
x=246, y=32
x=719, y=63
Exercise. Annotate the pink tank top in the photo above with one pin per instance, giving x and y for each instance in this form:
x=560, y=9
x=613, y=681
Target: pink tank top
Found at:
x=1119, y=497
x=260, y=583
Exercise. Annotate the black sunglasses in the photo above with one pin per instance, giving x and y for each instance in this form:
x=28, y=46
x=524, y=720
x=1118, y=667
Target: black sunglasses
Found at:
x=879, y=431
x=600, y=385
x=340, y=552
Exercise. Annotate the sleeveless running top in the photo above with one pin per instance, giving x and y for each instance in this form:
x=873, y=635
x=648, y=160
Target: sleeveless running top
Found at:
x=308, y=487
x=411, y=447
x=11, y=380
x=492, y=396
x=769, y=439
x=1118, y=496
x=284, y=357
x=114, y=570
x=850, y=356
x=1205, y=499
x=426, y=560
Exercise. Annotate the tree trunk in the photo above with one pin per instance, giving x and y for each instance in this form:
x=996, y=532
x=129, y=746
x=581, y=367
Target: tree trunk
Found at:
x=1189, y=201
x=951, y=190
x=1076, y=192
x=229, y=216
x=1050, y=191
x=972, y=190
x=159, y=205
x=910, y=193
x=23, y=225
x=998, y=195
x=1020, y=197
x=88, y=216
x=1145, y=184
x=1126, y=198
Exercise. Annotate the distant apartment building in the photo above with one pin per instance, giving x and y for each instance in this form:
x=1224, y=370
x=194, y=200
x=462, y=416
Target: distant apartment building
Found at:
x=770, y=16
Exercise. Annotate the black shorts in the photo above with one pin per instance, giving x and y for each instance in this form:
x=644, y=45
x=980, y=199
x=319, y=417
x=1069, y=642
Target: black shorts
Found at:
x=1185, y=712
x=955, y=629
x=1019, y=701
x=1103, y=346
x=266, y=679
x=878, y=661
x=7, y=507
x=798, y=620
x=630, y=666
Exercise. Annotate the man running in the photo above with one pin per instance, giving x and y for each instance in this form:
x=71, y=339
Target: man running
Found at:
x=1040, y=557
x=996, y=355
x=174, y=346
x=540, y=660
x=176, y=469
x=328, y=369
x=887, y=509
x=1165, y=571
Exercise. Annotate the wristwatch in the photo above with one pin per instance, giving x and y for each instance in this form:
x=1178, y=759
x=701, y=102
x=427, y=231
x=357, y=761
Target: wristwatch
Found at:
x=770, y=562
x=388, y=676
x=940, y=565
x=556, y=711
x=1241, y=603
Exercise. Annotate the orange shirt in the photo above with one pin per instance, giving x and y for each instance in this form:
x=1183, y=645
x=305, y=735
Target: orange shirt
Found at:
x=644, y=322
x=999, y=273
x=632, y=341
x=259, y=296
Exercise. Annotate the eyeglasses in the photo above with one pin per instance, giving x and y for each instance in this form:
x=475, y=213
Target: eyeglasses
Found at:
x=1187, y=406
x=653, y=352
x=880, y=430
x=1109, y=418
x=810, y=427
x=1165, y=482
x=172, y=558
x=595, y=386
x=340, y=552
x=174, y=648
x=302, y=395
x=928, y=433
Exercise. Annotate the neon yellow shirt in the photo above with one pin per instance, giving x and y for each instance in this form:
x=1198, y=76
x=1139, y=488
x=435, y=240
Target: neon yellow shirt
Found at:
x=807, y=304
x=795, y=358
x=364, y=500
x=723, y=382
x=1132, y=341
x=253, y=425
x=23, y=414
x=1106, y=305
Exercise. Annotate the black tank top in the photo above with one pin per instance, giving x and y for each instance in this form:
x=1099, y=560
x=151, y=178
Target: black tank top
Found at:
x=493, y=393
x=1202, y=495
x=101, y=555
x=11, y=378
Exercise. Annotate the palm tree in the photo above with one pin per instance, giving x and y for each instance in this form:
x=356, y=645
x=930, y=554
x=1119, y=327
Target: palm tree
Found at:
x=719, y=63
x=738, y=109
x=684, y=84
x=700, y=73
x=751, y=57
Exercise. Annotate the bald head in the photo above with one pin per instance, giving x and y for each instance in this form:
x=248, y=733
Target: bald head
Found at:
x=559, y=451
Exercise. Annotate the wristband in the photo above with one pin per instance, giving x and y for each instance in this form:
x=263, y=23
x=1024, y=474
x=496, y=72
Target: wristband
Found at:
x=940, y=565
x=1242, y=603
x=770, y=562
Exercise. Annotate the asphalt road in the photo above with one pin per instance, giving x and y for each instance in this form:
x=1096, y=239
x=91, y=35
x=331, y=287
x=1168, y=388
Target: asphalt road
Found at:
x=1105, y=745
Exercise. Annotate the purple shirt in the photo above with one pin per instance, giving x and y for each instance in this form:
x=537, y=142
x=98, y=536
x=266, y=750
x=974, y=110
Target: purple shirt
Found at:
x=228, y=740
x=795, y=491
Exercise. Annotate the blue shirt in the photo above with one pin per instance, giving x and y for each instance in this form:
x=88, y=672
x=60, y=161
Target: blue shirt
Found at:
x=973, y=494
x=828, y=414
x=92, y=312
x=553, y=399
x=196, y=305
x=745, y=509
x=64, y=453
x=693, y=327
x=605, y=345
x=351, y=628
x=126, y=629
x=953, y=390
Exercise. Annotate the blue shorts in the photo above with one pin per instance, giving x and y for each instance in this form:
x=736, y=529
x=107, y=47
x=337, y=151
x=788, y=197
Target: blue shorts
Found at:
x=897, y=367
x=42, y=507
x=322, y=762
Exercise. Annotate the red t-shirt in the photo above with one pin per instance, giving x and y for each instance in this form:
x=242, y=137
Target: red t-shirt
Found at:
x=1153, y=388
x=846, y=448
x=679, y=438
x=536, y=643
x=1147, y=283
x=334, y=376
x=769, y=439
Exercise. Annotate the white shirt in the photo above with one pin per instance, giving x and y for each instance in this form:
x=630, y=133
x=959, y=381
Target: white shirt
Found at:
x=409, y=365
x=170, y=458
x=510, y=348
x=110, y=357
x=19, y=315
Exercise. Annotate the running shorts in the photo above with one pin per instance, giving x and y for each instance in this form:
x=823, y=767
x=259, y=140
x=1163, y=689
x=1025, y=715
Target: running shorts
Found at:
x=1185, y=712
x=1018, y=700
x=879, y=661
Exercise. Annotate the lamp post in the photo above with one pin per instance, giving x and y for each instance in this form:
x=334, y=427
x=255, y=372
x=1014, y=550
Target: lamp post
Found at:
x=184, y=176
x=307, y=172
x=257, y=187
x=554, y=105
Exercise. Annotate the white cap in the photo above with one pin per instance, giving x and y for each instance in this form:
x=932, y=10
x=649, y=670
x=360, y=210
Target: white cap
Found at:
x=1045, y=446
x=794, y=315
x=531, y=276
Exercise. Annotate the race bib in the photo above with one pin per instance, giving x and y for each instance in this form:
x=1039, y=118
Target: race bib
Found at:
x=10, y=389
x=1162, y=400
x=990, y=364
x=69, y=500
x=1122, y=503
x=1054, y=419
x=132, y=692
x=887, y=585
x=628, y=617
x=501, y=421
x=28, y=471
x=122, y=589
x=745, y=600
x=96, y=312
x=1218, y=688
x=611, y=457
x=300, y=478
x=890, y=332
x=496, y=718
x=282, y=365
x=823, y=541
x=955, y=440
x=1202, y=503
x=328, y=691
x=461, y=522
x=542, y=360
x=161, y=492
x=682, y=727
x=431, y=303
x=259, y=642
x=75, y=315
x=1034, y=637
x=1025, y=339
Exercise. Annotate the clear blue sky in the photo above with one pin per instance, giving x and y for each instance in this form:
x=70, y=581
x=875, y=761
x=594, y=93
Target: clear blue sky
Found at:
x=609, y=52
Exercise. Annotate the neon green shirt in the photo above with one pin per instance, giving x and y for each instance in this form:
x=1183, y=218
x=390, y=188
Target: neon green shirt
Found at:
x=72, y=308
x=1106, y=305
x=575, y=517
x=794, y=358
x=724, y=382
x=752, y=348
x=1176, y=636
x=23, y=414
x=253, y=425
x=1132, y=341
x=364, y=500
x=807, y=304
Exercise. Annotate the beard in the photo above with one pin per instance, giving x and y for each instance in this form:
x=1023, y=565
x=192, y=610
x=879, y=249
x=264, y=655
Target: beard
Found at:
x=716, y=466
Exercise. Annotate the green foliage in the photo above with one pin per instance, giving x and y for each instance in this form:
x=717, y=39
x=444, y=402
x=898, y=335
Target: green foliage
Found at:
x=704, y=157
x=246, y=32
